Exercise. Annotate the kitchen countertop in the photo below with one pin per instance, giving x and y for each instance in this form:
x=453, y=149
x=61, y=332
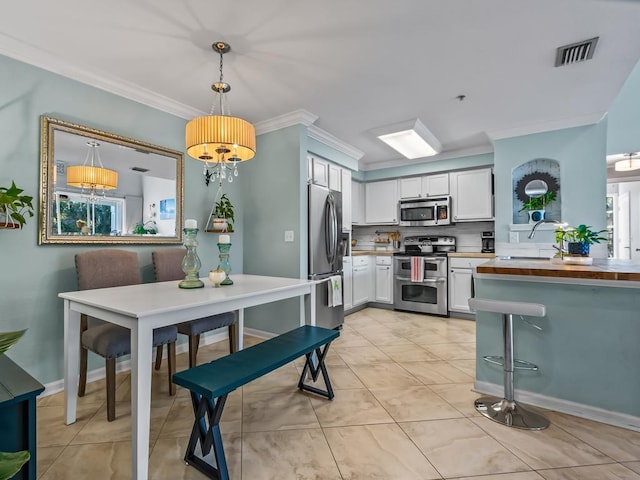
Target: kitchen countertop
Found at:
x=488, y=256
x=610, y=270
x=472, y=255
x=358, y=253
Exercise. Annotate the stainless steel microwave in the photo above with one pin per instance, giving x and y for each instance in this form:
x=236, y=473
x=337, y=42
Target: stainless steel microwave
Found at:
x=425, y=212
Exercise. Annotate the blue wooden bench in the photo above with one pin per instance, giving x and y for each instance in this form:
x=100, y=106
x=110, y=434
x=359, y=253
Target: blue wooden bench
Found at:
x=210, y=384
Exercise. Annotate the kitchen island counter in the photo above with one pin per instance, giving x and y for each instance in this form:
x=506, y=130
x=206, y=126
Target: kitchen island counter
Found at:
x=606, y=272
x=587, y=348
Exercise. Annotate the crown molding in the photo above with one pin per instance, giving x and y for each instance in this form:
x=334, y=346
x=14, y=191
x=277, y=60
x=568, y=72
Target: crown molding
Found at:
x=403, y=162
x=103, y=81
x=579, y=121
x=325, y=137
x=297, y=117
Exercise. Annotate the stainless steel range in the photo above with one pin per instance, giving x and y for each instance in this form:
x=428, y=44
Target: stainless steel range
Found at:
x=428, y=293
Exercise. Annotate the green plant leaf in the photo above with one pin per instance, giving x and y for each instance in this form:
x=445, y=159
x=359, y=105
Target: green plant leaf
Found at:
x=8, y=339
x=11, y=463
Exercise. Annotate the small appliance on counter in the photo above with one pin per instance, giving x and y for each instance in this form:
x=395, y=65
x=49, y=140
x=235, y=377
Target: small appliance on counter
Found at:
x=488, y=242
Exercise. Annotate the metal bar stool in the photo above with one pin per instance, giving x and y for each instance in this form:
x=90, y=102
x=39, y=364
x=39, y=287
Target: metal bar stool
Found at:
x=505, y=410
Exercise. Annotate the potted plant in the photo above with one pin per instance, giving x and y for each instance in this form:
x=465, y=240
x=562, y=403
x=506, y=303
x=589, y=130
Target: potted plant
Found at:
x=579, y=239
x=223, y=215
x=536, y=206
x=14, y=207
x=11, y=462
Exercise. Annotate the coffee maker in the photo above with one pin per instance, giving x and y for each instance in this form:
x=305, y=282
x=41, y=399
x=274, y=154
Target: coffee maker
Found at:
x=488, y=242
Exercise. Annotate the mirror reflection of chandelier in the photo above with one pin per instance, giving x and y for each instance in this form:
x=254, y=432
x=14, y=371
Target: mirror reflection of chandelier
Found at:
x=92, y=175
x=220, y=141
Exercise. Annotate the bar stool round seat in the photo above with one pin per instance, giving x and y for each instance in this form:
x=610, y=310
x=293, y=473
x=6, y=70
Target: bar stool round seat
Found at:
x=505, y=410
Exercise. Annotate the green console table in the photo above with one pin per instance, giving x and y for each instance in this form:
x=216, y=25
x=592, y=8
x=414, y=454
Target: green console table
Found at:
x=18, y=392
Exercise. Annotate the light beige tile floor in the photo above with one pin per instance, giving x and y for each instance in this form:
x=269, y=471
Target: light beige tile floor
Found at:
x=403, y=410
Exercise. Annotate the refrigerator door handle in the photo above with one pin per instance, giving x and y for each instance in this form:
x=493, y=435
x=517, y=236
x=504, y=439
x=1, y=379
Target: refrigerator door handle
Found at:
x=331, y=229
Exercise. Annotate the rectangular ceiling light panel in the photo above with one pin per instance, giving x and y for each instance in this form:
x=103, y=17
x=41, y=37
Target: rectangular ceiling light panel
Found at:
x=411, y=139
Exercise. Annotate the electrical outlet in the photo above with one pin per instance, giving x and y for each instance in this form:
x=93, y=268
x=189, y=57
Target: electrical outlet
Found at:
x=514, y=237
x=288, y=235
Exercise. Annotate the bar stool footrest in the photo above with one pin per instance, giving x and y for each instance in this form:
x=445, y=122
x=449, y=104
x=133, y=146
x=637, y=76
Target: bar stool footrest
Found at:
x=510, y=414
x=517, y=364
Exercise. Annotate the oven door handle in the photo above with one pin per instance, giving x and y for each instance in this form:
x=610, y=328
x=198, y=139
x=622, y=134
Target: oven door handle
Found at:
x=426, y=280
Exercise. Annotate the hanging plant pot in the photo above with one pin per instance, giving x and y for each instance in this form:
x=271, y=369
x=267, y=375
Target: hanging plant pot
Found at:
x=536, y=215
x=219, y=224
x=578, y=248
x=7, y=222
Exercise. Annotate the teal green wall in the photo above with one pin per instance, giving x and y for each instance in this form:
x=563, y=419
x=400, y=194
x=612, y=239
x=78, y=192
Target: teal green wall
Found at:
x=275, y=200
x=587, y=350
x=624, y=121
x=580, y=152
x=33, y=275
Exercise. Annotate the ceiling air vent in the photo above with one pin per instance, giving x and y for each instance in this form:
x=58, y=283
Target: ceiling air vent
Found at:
x=576, y=52
x=140, y=169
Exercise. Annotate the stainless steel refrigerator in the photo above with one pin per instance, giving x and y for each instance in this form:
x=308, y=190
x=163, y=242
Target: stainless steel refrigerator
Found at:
x=327, y=245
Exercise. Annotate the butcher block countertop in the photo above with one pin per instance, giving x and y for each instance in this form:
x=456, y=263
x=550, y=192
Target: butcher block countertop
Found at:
x=605, y=270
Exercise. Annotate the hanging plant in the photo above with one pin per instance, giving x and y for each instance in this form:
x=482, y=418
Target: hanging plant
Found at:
x=223, y=209
x=15, y=206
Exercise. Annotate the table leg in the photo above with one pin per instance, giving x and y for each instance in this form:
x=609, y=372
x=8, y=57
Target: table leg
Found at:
x=141, y=358
x=71, y=361
x=240, y=328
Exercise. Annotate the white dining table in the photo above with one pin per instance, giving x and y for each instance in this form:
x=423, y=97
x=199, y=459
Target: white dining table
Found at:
x=141, y=308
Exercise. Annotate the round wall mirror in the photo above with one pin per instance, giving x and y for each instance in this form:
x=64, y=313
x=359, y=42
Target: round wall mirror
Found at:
x=536, y=188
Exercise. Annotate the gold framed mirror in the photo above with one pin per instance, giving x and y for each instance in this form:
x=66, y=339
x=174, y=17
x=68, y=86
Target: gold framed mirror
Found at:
x=99, y=187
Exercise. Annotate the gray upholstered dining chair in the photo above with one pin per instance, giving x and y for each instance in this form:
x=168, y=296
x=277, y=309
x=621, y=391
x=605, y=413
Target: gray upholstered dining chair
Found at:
x=113, y=268
x=167, y=264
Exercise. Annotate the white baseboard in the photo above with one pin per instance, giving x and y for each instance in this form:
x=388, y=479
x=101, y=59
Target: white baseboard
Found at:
x=596, y=414
x=125, y=365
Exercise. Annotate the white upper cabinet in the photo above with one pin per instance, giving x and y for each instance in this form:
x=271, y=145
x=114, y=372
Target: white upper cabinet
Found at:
x=346, y=199
x=357, y=203
x=435, y=185
x=381, y=202
x=411, y=187
x=425, y=186
x=471, y=195
x=319, y=170
x=335, y=177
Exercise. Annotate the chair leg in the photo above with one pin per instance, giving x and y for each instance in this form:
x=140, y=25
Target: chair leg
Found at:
x=82, y=382
x=171, y=360
x=233, y=338
x=111, y=389
x=194, y=341
x=158, y=357
x=84, y=353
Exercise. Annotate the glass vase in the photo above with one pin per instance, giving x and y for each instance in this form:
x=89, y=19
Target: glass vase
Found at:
x=224, y=262
x=191, y=262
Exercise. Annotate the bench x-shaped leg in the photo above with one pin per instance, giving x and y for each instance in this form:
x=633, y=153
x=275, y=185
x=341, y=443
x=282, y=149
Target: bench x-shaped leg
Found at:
x=315, y=371
x=206, y=430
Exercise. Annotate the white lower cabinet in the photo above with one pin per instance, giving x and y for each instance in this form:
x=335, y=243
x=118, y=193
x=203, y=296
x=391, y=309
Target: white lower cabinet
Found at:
x=384, y=279
x=461, y=287
x=361, y=280
x=347, y=283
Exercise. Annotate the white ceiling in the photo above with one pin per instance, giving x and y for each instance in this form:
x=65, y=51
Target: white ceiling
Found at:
x=357, y=65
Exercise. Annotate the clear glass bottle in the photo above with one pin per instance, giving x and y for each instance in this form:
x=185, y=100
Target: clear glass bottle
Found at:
x=224, y=262
x=191, y=262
